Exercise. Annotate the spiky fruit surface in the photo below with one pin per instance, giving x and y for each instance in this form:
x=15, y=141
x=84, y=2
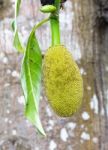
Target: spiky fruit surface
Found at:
x=62, y=81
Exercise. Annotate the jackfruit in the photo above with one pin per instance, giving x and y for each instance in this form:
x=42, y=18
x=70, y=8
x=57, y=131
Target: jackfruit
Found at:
x=62, y=81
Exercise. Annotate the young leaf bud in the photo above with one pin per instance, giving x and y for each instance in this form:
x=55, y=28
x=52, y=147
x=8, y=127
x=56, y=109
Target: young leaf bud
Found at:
x=48, y=9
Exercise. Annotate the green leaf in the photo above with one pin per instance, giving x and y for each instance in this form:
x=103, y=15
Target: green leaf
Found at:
x=31, y=80
x=17, y=7
x=13, y=25
x=17, y=43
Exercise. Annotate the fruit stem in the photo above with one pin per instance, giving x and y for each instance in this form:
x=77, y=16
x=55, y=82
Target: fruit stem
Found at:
x=54, y=21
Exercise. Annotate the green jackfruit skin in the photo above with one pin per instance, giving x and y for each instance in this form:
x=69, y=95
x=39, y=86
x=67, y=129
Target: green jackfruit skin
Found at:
x=62, y=81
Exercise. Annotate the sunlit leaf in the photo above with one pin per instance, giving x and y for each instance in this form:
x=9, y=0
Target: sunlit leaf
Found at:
x=31, y=80
x=17, y=43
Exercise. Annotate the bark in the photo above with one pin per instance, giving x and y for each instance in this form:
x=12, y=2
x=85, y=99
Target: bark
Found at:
x=6, y=9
